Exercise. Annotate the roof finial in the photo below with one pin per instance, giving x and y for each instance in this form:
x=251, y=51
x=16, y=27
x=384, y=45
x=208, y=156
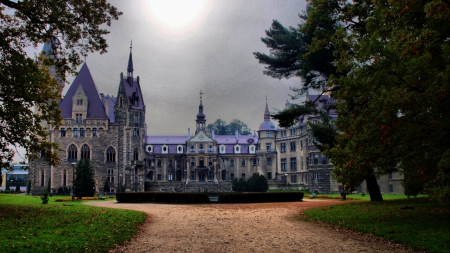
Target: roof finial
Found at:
x=201, y=93
x=131, y=45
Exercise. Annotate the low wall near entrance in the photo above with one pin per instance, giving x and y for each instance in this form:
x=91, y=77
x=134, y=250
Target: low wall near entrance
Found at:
x=180, y=186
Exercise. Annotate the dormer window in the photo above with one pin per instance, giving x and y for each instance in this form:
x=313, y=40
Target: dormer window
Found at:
x=136, y=102
x=78, y=118
x=79, y=101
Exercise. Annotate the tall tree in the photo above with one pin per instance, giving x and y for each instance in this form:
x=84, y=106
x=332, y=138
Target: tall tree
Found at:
x=314, y=63
x=84, y=179
x=74, y=29
x=241, y=127
x=393, y=105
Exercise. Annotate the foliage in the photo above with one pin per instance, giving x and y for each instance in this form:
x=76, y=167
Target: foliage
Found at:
x=391, y=219
x=45, y=198
x=106, y=187
x=256, y=183
x=74, y=29
x=393, y=105
x=84, y=179
x=48, y=185
x=220, y=127
x=260, y=197
x=63, y=227
x=161, y=197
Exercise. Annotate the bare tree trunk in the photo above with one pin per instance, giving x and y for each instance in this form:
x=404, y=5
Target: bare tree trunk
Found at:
x=372, y=187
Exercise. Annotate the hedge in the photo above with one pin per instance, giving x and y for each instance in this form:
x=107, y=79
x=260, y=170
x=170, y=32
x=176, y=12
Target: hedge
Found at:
x=259, y=197
x=161, y=197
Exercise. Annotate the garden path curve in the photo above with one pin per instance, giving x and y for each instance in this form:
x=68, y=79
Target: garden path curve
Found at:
x=262, y=227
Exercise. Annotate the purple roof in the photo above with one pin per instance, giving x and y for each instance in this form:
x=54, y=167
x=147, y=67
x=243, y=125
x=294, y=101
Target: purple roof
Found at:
x=231, y=139
x=112, y=103
x=134, y=90
x=167, y=139
x=95, y=106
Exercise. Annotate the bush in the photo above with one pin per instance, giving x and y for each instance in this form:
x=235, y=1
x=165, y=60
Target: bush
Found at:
x=45, y=198
x=161, y=197
x=256, y=183
x=261, y=197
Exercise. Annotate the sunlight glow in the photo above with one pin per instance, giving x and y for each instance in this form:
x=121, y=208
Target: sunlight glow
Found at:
x=176, y=13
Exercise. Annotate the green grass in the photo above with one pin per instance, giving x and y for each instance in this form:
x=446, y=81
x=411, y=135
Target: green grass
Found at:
x=26, y=225
x=417, y=223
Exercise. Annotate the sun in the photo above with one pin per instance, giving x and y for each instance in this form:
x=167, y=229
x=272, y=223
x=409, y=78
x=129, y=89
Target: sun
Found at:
x=176, y=13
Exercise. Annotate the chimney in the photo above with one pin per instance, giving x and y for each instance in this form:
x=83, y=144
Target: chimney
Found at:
x=236, y=134
x=102, y=95
x=254, y=132
x=106, y=105
x=212, y=134
x=189, y=133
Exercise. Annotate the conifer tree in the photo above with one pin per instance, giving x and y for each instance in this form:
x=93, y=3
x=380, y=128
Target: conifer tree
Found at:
x=84, y=179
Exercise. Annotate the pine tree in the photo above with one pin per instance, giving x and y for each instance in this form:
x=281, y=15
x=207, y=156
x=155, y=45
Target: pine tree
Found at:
x=106, y=186
x=84, y=179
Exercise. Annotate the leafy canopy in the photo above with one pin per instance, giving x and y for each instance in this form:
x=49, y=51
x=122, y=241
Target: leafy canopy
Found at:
x=74, y=28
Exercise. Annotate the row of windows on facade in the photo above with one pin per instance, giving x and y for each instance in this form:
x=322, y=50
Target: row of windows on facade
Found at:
x=79, y=132
x=72, y=153
x=79, y=118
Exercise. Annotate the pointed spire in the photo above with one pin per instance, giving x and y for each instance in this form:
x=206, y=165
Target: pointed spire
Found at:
x=266, y=112
x=201, y=121
x=130, y=61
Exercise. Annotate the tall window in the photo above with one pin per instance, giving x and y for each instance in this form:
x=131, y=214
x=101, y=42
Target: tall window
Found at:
x=79, y=101
x=254, y=162
x=324, y=159
x=136, y=118
x=192, y=162
x=85, y=152
x=243, y=162
x=78, y=118
x=110, y=154
x=210, y=161
x=283, y=147
x=201, y=148
x=64, y=178
x=63, y=132
x=192, y=148
x=75, y=132
x=293, y=163
x=269, y=160
x=158, y=163
x=135, y=154
x=210, y=149
x=94, y=132
x=267, y=134
x=232, y=162
x=81, y=132
x=283, y=164
x=135, y=131
x=268, y=146
x=293, y=178
x=293, y=146
x=316, y=159
x=72, y=152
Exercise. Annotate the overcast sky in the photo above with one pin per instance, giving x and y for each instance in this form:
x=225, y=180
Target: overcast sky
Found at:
x=212, y=52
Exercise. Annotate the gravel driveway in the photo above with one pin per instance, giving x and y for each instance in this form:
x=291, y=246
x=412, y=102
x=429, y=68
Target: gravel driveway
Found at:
x=265, y=227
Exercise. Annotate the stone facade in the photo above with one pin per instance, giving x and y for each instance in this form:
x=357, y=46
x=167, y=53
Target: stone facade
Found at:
x=111, y=132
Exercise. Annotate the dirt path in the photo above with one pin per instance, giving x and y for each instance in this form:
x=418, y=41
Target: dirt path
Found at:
x=267, y=227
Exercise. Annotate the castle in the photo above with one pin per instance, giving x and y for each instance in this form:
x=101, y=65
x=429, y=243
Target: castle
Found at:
x=111, y=132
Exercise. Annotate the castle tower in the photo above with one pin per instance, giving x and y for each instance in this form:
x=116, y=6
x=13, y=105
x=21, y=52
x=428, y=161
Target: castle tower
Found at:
x=201, y=120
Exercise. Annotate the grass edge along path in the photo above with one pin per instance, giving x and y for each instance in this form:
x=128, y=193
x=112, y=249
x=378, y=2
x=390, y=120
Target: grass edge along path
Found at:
x=417, y=223
x=26, y=225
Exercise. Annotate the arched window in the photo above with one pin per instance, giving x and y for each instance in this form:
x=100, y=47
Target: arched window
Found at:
x=72, y=152
x=42, y=178
x=85, y=152
x=120, y=101
x=135, y=154
x=64, y=178
x=110, y=154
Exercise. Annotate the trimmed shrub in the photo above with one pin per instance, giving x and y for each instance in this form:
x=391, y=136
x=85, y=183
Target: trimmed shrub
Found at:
x=256, y=183
x=161, y=197
x=261, y=197
x=45, y=198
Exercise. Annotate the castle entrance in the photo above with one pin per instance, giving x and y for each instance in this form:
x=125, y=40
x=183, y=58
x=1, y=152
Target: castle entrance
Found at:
x=201, y=176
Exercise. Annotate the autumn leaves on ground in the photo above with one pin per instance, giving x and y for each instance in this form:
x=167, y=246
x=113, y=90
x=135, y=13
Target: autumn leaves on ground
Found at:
x=27, y=226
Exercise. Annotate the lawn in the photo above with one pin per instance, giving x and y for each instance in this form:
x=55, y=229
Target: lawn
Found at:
x=26, y=225
x=418, y=222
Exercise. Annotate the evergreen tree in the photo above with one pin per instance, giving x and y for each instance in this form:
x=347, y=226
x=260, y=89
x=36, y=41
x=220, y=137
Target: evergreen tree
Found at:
x=106, y=187
x=84, y=179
